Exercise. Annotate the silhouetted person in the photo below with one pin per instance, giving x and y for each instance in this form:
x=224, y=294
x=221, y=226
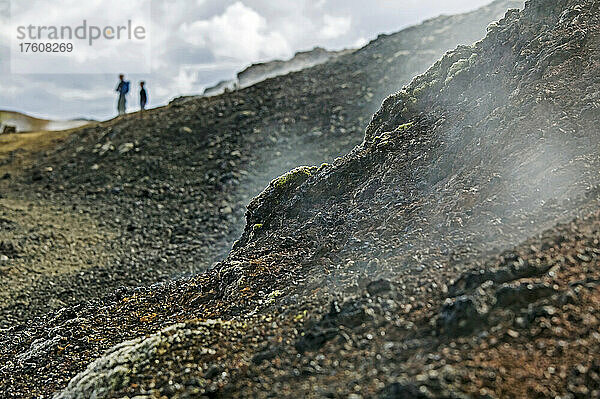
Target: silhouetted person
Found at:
x=122, y=89
x=143, y=96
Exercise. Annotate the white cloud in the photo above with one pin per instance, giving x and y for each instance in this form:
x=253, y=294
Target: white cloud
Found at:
x=239, y=33
x=360, y=42
x=9, y=89
x=335, y=26
x=186, y=79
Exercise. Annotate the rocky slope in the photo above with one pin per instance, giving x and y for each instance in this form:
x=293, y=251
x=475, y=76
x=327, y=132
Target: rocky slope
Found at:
x=411, y=203
x=395, y=272
x=166, y=193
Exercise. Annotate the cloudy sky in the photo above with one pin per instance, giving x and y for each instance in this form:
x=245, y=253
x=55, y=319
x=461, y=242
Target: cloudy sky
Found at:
x=195, y=43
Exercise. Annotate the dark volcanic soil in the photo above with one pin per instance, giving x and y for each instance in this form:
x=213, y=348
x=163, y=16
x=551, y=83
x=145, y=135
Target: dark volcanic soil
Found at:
x=452, y=254
x=168, y=193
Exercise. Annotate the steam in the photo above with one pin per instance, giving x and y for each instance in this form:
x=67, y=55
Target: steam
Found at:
x=310, y=142
x=259, y=72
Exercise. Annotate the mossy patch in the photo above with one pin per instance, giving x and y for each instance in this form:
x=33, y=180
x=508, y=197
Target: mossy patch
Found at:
x=293, y=178
x=404, y=127
x=423, y=87
x=257, y=227
x=460, y=67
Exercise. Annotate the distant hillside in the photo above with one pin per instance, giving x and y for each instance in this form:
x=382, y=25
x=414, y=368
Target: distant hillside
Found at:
x=301, y=60
x=26, y=123
x=259, y=72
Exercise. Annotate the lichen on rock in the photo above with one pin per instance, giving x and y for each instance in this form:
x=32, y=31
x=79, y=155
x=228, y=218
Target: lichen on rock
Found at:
x=111, y=372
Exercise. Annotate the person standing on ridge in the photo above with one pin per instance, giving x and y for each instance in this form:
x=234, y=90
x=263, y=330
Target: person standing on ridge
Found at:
x=122, y=89
x=143, y=96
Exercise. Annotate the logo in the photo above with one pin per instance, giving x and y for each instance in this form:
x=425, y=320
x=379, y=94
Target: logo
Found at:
x=89, y=33
x=69, y=36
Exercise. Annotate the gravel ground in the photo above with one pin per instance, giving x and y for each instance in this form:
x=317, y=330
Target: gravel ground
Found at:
x=42, y=241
